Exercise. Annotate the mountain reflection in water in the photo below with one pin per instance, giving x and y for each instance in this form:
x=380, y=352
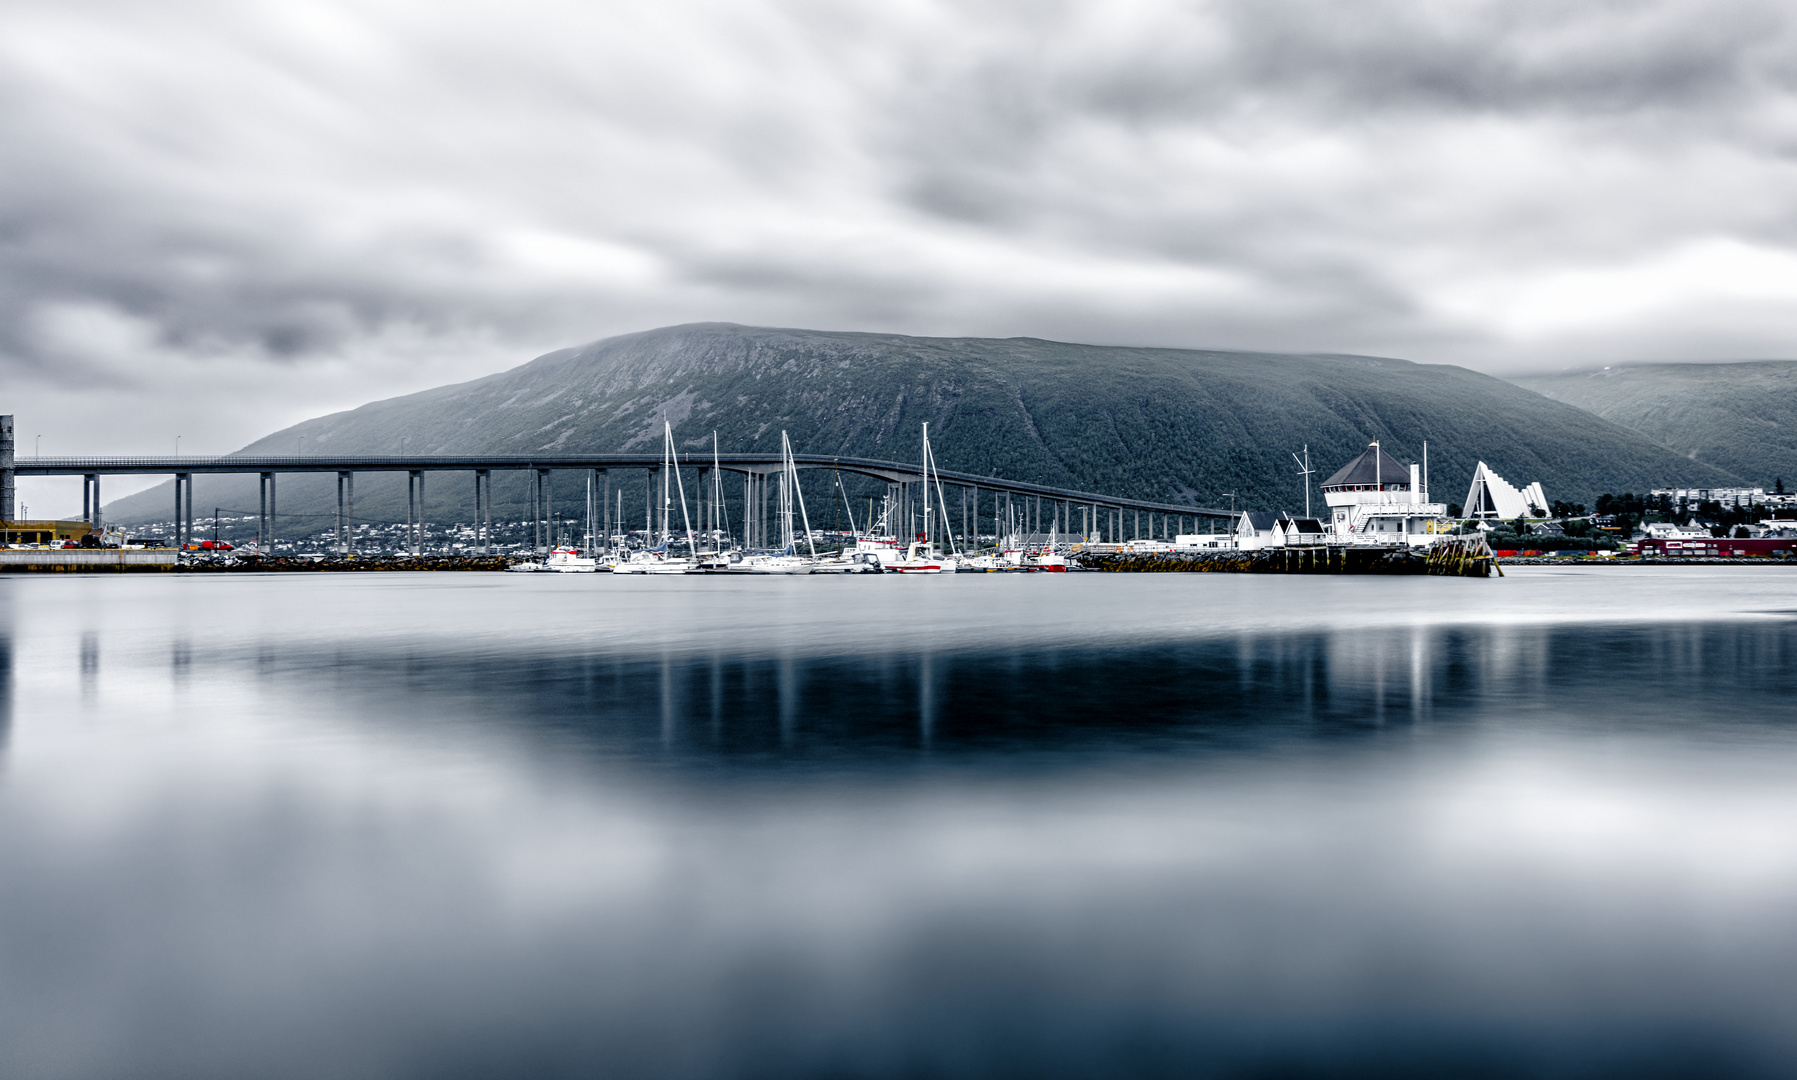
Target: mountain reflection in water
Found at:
x=1092, y=826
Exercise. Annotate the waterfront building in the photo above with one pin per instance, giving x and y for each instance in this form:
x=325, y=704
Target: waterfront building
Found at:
x=1301, y=531
x=1257, y=529
x=1378, y=499
x=46, y=532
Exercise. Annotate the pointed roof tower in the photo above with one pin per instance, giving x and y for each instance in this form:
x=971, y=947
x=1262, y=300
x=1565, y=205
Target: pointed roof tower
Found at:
x=1374, y=467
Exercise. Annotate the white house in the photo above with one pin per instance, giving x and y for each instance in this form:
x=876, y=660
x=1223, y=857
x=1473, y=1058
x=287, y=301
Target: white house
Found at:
x=1294, y=531
x=1257, y=529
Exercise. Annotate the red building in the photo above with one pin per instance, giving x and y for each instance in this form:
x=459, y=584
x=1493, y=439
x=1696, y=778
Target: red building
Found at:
x=1719, y=547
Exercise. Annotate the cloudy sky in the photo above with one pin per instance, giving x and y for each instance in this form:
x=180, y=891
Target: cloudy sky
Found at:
x=219, y=218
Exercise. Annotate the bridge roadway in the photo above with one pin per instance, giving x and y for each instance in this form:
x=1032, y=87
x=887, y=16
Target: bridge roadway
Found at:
x=752, y=466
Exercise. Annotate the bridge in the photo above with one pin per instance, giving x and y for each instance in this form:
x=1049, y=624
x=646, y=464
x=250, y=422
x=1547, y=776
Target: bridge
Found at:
x=1041, y=505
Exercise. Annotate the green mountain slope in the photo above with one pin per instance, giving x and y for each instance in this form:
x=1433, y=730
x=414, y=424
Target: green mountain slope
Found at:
x=1740, y=417
x=1172, y=424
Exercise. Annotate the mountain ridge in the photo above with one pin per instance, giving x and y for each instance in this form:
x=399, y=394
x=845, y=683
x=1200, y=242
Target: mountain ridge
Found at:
x=1180, y=425
x=1739, y=415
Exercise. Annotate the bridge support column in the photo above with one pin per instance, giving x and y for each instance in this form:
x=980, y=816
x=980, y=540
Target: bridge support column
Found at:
x=181, y=511
x=262, y=512
x=748, y=501
x=548, y=510
x=8, y=476
x=342, y=543
x=605, y=512
x=483, y=521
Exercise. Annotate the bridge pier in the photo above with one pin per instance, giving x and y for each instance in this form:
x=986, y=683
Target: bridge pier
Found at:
x=346, y=511
x=547, y=533
x=265, y=531
x=8, y=489
x=483, y=520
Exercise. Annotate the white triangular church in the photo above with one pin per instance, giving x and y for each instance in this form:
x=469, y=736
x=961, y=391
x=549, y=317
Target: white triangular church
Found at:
x=1491, y=496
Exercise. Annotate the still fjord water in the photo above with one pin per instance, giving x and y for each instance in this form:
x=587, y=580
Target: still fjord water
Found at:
x=1083, y=825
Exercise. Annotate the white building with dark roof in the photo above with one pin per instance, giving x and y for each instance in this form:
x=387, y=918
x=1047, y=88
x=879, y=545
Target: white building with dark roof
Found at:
x=1377, y=499
x=1258, y=529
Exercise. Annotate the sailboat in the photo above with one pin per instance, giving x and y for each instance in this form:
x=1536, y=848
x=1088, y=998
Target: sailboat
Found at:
x=788, y=560
x=660, y=559
x=920, y=556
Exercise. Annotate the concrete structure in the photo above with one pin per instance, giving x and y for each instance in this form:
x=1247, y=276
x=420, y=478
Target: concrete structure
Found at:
x=8, y=491
x=1380, y=500
x=1491, y=497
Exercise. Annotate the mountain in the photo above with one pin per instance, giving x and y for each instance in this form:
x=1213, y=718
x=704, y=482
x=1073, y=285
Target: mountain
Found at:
x=1174, y=424
x=1741, y=417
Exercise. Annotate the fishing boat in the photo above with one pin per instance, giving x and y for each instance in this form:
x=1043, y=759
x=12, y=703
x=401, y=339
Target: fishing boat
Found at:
x=1047, y=559
x=918, y=560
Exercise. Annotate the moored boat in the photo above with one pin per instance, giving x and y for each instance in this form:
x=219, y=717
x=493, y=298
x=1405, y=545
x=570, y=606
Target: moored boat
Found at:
x=570, y=561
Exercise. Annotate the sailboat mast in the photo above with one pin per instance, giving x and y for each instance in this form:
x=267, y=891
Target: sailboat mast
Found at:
x=692, y=549
x=926, y=487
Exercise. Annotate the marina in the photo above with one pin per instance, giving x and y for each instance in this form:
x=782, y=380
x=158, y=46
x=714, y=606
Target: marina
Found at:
x=1381, y=521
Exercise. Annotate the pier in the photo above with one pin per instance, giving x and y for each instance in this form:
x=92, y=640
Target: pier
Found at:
x=1448, y=557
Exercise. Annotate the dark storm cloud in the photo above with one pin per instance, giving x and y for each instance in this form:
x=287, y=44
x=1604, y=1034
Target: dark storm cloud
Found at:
x=217, y=218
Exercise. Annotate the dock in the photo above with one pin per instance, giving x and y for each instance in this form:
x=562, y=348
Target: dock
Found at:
x=1451, y=557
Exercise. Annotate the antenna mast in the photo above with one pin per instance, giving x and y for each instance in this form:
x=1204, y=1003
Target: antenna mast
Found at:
x=1305, y=470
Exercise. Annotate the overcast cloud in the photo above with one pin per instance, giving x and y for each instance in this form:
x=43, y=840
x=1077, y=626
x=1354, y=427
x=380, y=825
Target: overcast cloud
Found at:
x=219, y=218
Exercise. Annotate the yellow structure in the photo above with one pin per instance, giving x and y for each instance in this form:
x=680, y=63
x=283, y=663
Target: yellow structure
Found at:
x=42, y=532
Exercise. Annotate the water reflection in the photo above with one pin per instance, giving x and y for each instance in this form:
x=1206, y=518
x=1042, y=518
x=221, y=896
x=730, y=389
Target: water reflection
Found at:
x=1250, y=690
x=284, y=833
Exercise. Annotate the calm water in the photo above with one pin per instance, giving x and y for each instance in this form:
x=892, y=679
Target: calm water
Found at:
x=1084, y=825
